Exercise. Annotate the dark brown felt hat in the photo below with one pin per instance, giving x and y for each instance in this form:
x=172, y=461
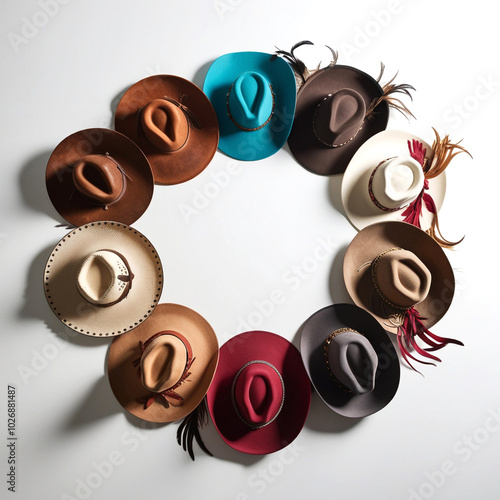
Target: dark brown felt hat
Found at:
x=173, y=122
x=124, y=367
x=330, y=123
x=99, y=174
x=369, y=244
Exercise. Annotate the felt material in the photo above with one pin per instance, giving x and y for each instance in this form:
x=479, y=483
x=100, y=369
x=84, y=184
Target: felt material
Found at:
x=305, y=146
x=125, y=350
x=313, y=333
x=375, y=239
x=229, y=70
x=358, y=207
x=284, y=356
x=65, y=262
x=176, y=149
x=85, y=185
x=397, y=181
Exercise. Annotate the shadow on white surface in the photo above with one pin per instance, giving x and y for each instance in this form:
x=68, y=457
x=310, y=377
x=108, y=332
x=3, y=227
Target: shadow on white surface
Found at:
x=98, y=403
x=114, y=104
x=199, y=76
x=335, y=192
x=35, y=304
x=336, y=284
x=32, y=186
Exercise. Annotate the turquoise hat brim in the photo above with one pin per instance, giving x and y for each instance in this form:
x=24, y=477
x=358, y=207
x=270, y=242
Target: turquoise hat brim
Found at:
x=262, y=143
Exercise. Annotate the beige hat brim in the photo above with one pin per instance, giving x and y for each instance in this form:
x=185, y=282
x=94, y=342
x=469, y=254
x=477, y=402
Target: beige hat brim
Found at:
x=63, y=265
x=373, y=240
x=358, y=207
x=123, y=375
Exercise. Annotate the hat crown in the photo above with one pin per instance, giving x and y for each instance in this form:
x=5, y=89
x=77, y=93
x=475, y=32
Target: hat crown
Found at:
x=99, y=179
x=258, y=393
x=403, y=279
x=250, y=101
x=165, y=125
x=163, y=362
x=397, y=181
x=353, y=361
x=104, y=278
x=339, y=117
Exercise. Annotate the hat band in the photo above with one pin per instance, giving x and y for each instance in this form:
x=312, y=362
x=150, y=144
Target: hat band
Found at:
x=324, y=142
x=168, y=396
x=241, y=126
x=235, y=405
x=372, y=195
x=122, y=192
x=326, y=347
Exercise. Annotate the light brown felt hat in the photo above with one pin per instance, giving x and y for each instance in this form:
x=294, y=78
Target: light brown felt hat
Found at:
x=161, y=371
x=173, y=122
x=99, y=174
x=103, y=279
x=401, y=275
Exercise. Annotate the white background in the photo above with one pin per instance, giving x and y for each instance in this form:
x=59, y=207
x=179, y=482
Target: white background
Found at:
x=225, y=261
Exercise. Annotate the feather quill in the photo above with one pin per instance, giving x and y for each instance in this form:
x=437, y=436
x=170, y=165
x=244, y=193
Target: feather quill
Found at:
x=189, y=429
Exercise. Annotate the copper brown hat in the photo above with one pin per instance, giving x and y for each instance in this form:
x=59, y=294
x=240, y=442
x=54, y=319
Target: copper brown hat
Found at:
x=99, y=174
x=173, y=122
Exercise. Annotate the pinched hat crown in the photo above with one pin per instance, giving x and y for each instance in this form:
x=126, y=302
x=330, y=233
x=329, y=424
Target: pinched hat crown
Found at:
x=99, y=179
x=352, y=360
x=339, y=117
x=401, y=278
x=104, y=278
x=250, y=101
x=165, y=125
x=395, y=182
x=258, y=393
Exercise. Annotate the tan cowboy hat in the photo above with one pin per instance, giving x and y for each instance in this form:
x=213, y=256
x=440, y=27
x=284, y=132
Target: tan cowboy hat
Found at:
x=99, y=174
x=161, y=371
x=402, y=276
x=173, y=122
x=103, y=279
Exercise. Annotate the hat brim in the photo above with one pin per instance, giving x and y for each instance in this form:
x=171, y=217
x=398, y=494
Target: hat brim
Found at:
x=123, y=375
x=284, y=356
x=313, y=334
x=72, y=206
x=373, y=240
x=358, y=207
x=262, y=143
x=305, y=147
x=63, y=265
x=186, y=163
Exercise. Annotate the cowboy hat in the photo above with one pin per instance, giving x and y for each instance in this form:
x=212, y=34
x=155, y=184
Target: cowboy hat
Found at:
x=402, y=276
x=393, y=176
x=173, y=122
x=103, y=279
x=350, y=360
x=99, y=174
x=254, y=98
x=260, y=396
x=338, y=109
x=162, y=369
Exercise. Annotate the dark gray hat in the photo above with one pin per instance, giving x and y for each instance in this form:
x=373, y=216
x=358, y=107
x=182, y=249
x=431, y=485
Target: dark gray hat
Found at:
x=350, y=360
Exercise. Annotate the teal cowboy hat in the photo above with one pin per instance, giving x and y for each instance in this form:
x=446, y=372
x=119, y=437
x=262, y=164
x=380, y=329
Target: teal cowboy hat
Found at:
x=254, y=98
